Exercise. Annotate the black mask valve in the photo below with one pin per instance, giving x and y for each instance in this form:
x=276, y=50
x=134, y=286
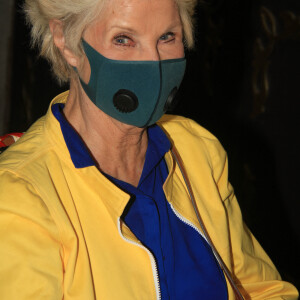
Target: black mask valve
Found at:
x=125, y=101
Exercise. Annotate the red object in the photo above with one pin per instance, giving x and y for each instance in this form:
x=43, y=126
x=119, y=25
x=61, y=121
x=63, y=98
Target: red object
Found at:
x=5, y=140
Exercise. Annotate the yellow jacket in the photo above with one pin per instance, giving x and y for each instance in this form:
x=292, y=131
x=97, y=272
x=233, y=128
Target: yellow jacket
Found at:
x=61, y=236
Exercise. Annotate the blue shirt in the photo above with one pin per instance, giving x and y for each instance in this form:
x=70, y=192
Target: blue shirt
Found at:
x=187, y=268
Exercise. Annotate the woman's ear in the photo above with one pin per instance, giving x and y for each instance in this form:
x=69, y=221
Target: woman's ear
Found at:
x=56, y=28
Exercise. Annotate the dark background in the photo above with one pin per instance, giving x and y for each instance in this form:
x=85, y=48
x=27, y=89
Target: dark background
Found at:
x=242, y=83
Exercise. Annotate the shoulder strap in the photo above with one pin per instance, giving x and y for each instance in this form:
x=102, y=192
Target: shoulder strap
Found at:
x=223, y=266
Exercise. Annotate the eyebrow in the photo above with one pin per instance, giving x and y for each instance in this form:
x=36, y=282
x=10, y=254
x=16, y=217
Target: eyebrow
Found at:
x=125, y=28
x=174, y=25
x=133, y=31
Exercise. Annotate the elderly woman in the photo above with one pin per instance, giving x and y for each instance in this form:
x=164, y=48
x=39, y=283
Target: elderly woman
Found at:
x=103, y=198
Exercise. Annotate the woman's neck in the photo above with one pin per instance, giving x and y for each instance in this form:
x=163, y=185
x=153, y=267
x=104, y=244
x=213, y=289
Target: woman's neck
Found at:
x=118, y=148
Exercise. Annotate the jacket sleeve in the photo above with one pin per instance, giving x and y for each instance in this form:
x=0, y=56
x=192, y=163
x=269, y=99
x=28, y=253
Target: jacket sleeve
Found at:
x=30, y=252
x=254, y=272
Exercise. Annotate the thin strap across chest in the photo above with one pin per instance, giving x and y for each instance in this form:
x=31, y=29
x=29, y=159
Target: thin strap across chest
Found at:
x=223, y=266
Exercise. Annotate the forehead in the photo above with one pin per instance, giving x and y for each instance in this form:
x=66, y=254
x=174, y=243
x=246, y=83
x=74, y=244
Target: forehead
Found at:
x=149, y=5
x=144, y=14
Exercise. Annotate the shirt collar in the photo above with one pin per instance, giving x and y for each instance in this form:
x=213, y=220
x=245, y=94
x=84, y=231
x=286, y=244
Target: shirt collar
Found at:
x=158, y=144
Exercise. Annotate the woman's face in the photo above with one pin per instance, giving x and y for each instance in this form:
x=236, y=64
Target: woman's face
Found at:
x=136, y=30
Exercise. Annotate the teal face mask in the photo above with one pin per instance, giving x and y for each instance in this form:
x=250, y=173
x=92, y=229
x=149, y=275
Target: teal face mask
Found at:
x=134, y=92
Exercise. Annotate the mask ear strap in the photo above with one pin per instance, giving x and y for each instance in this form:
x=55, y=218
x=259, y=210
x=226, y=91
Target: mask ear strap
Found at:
x=223, y=266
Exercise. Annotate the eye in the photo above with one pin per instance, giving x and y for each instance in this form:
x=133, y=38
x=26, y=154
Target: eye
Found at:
x=167, y=37
x=123, y=40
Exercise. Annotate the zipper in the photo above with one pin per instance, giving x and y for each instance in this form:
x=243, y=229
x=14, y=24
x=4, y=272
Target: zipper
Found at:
x=152, y=260
x=187, y=222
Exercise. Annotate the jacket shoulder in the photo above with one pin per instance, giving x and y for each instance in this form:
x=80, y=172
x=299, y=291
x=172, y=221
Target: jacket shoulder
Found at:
x=28, y=148
x=178, y=124
x=196, y=145
x=185, y=133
